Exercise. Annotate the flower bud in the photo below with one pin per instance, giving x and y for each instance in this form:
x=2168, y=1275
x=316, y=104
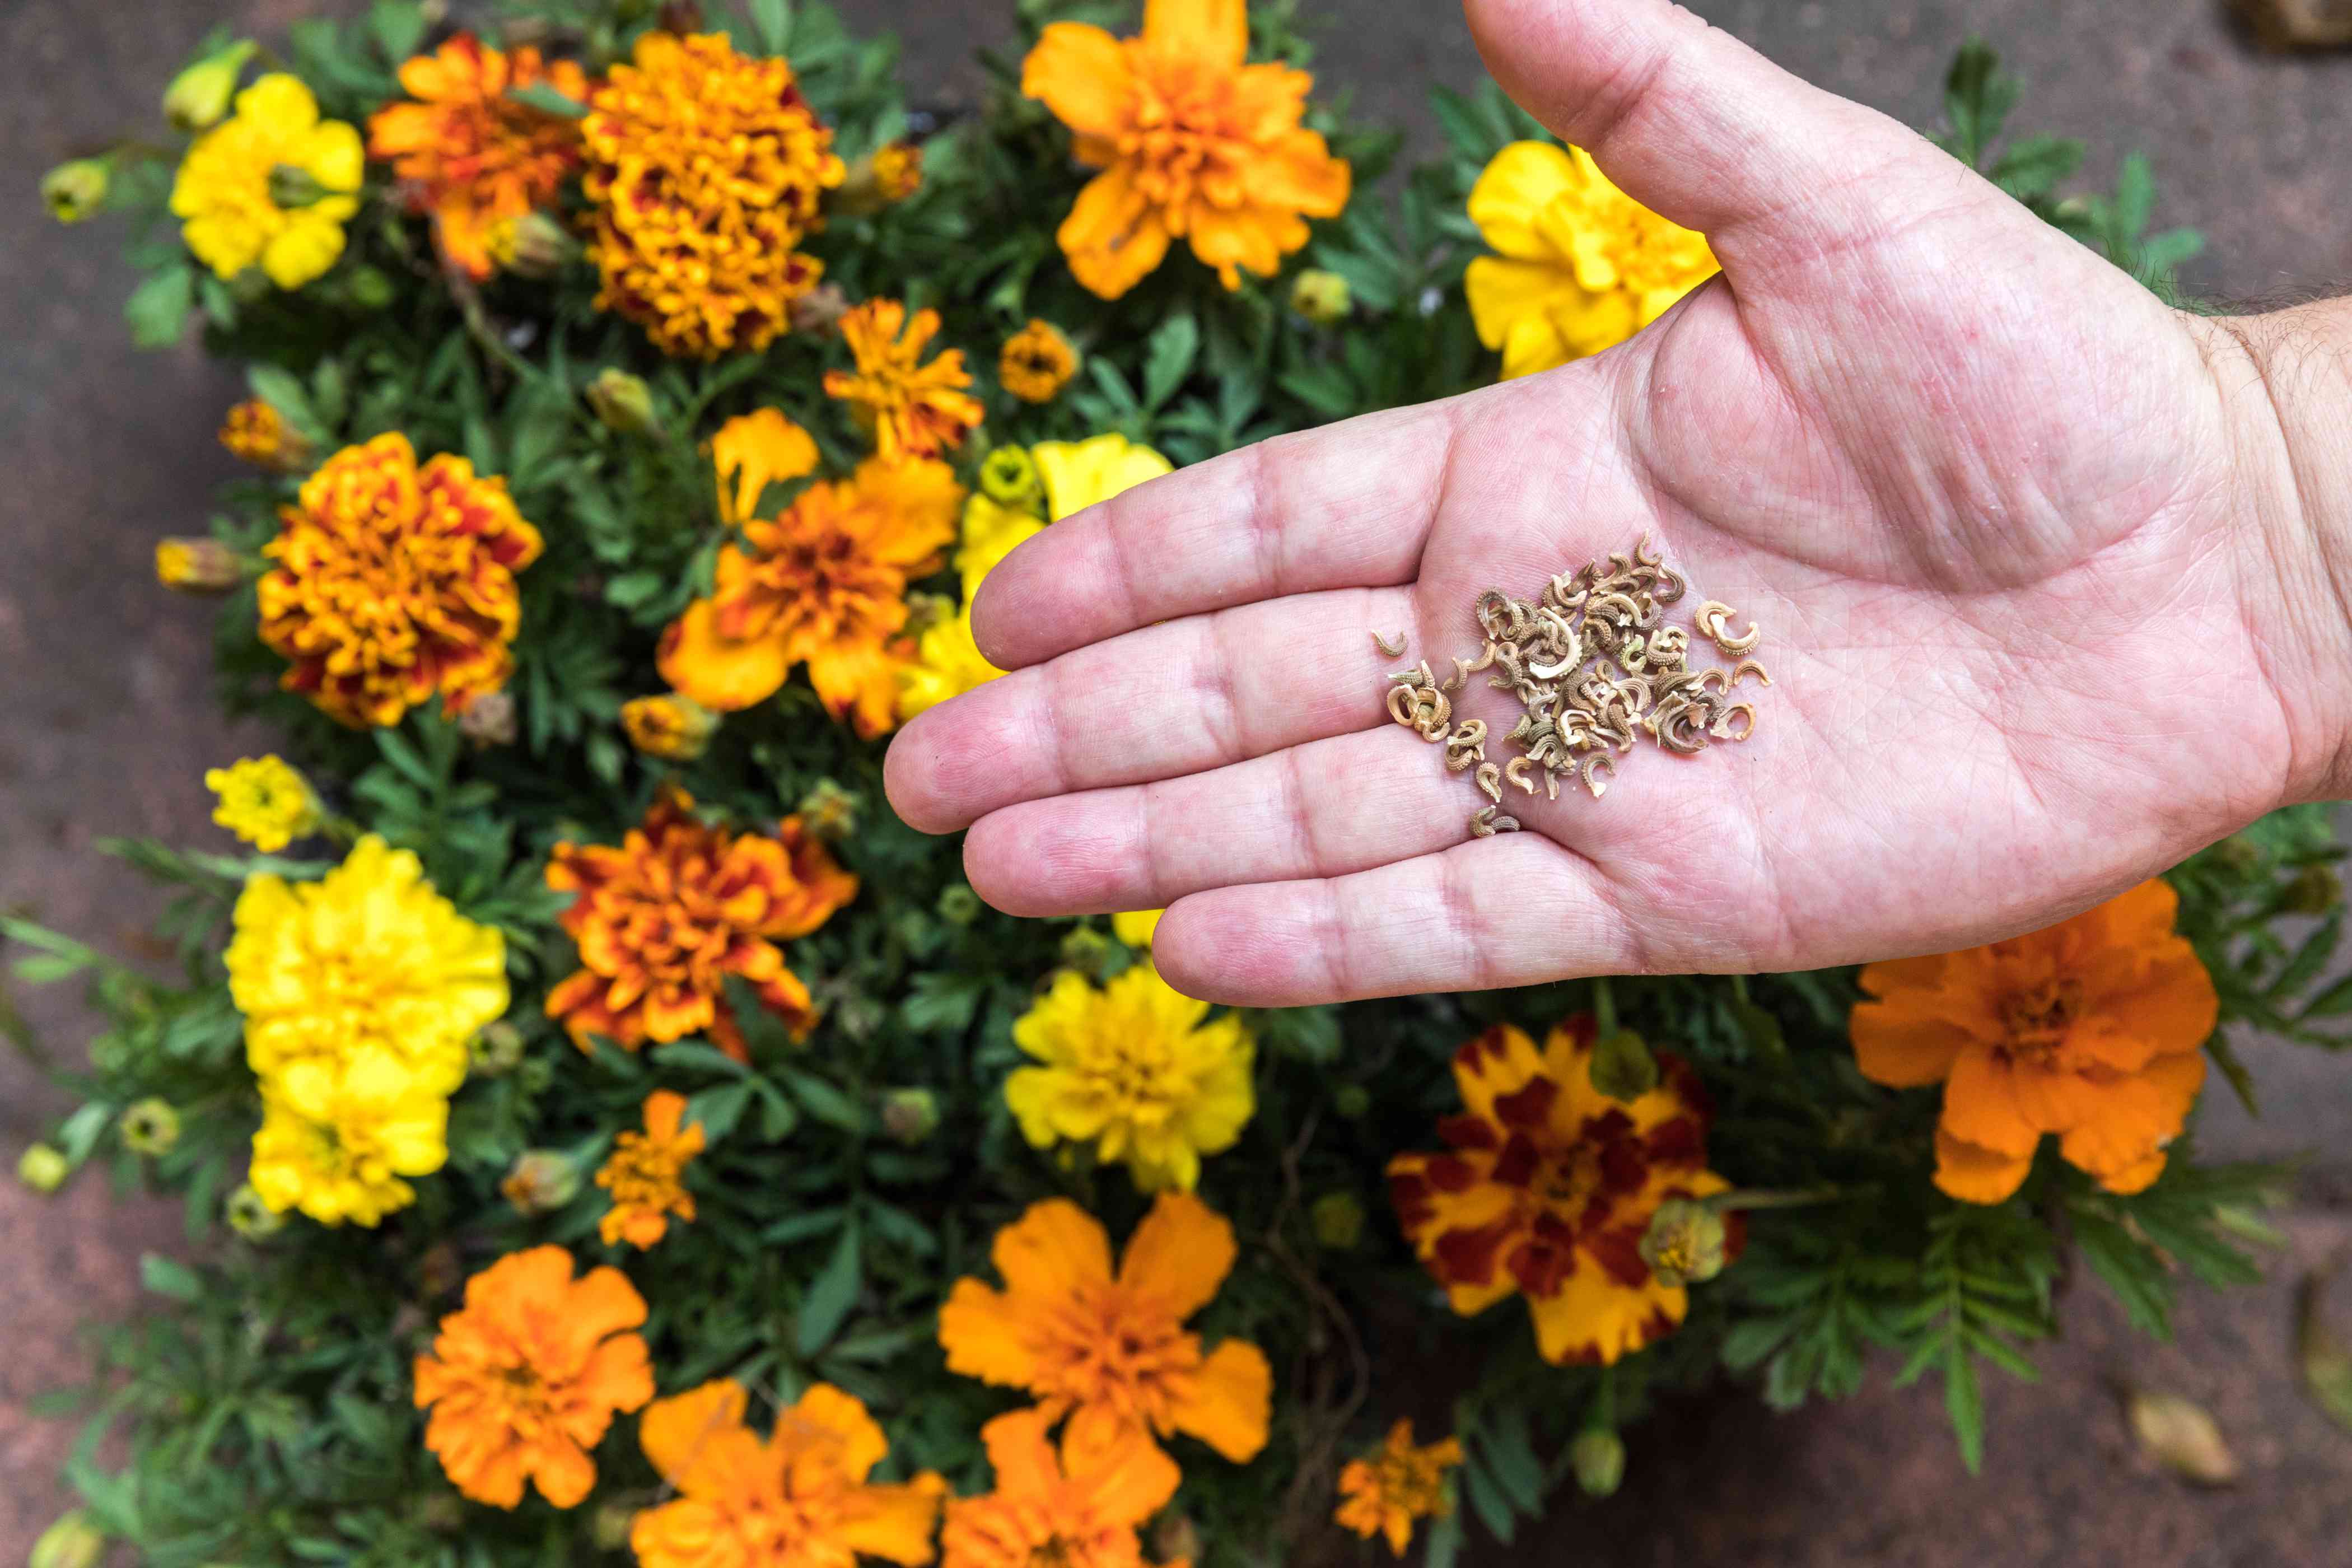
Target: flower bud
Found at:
x=674, y=727
x=76, y=190
x=489, y=720
x=1088, y=951
x=2181, y=1435
x=368, y=288
x=441, y=1270
x=911, y=1115
x=959, y=905
x=1338, y=1221
x=925, y=611
x=495, y=1051
x=1623, y=1067
x=1686, y=1243
x=250, y=1216
x=818, y=311
x=1598, y=1457
x=2239, y=853
x=1352, y=1100
x=292, y=185
x=254, y=432
x=192, y=565
x=443, y=1513
x=1323, y=298
x=150, y=1127
x=612, y=1526
x=542, y=1181
x=44, y=1168
x=73, y=1541
x=1009, y=476
x=829, y=812
x=858, y=1016
x=535, y=244
x=886, y=175
x=199, y=97
x=622, y=402
x=2314, y=891
x=1178, y=1538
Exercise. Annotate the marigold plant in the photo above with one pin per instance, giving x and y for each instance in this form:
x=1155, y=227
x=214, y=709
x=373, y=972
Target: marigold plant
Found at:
x=646, y=1174
x=1385, y=1493
x=232, y=188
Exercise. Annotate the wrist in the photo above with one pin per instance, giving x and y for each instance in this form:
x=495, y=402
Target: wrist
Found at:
x=2285, y=380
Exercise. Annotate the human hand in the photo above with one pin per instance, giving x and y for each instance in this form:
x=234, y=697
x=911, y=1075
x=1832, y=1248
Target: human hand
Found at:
x=2053, y=581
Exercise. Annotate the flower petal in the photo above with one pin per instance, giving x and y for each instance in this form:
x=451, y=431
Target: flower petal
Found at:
x=1179, y=1255
x=1975, y=1174
x=1228, y=1401
x=676, y=1433
x=1081, y=73
x=718, y=672
x=1213, y=33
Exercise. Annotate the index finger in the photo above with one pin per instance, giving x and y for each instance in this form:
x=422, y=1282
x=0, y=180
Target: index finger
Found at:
x=1345, y=507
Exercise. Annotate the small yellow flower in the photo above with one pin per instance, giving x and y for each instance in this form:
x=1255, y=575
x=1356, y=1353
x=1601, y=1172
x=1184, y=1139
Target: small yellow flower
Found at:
x=948, y=663
x=337, y=1135
x=1135, y=927
x=672, y=727
x=1136, y=1069
x=1037, y=362
x=1582, y=267
x=199, y=566
x=646, y=1174
x=898, y=171
x=913, y=408
x=265, y=802
x=256, y=433
x=1323, y=298
x=990, y=533
x=224, y=188
x=1078, y=474
x=1383, y=1494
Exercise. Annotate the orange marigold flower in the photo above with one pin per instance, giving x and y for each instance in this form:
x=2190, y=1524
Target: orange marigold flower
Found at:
x=913, y=409
x=664, y=919
x=523, y=1382
x=2093, y=1029
x=646, y=1174
x=1383, y=1494
x=470, y=154
x=1072, y=1509
x=394, y=582
x=254, y=432
x=707, y=168
x=1111, y=1351
x=824, y=584
x=799, y=1499
x=897, y=171
x=1549, y=1187
x=1037, y=362
x=1192, y=142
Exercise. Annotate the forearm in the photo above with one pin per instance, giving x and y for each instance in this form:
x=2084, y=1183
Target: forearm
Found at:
x=2285, y=380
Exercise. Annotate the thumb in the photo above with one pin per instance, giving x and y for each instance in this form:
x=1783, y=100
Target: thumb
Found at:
x=1699, y=127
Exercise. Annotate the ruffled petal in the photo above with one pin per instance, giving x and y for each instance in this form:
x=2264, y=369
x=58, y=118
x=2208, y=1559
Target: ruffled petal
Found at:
x=677, y=1433
x=715, y=671
x=1081, y=73
x=1975, y=1174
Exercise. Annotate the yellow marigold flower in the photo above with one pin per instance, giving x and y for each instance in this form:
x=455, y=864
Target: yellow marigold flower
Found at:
x=368, y=959
x=468, y=153
x=706, y=168
x=1584, y=266
x=1383, y=1495
x=233, y=219
x=198, y=566
x=1136, y=926
x=1323, y=298
x=824, y=584
x=393, y=581
x=646, y=1174
x=524, y=1381
x=662, y=919
x=1037, y=362
x=254, y=432
x=1193, y=144
x=1111, y=1352
x=910, y=408
x=1079, y=474
x=1548, y=1189
x=990, y=531
x=339, y=1132
x=1134, y=1070
x=1072, y=1509
x=948, y=663
x=265, y=802
x=798, y=1499
x=2093, y=1029
x=898, y=171
x=673, y=727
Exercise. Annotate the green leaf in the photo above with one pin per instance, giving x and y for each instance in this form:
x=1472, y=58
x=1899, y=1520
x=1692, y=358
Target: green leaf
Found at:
x=1441, y=1548
x=2135, y=197
x=831, y=1294
x=2337, y=999
x=169, y=1277
x=1168, y=359
x=942, y=1002
x=399, y=26
x=1978, y=96
x=694, y=1056
x=1489, y=1502
x=1964, y=1401
x=158, y=309
x=718, y=1108
x=547, y=101
x=2031, y=165
x=764, y=1035
x=826, y=1103
x=771, y=25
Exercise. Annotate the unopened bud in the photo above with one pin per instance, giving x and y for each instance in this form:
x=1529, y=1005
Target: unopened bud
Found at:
x=150, y=1127
x=368, y=288
x=2182, y=1436
x=673, y=727
x=1009, y=476
x=959, y=905
x=1337, y=1220
x=1322, y=298
x=74, y=191
x=887, y=174
x=200, y=95
x=73, y=1541
x=1352, y=1100
x=624, y=402
x=489, y=720
x=1686, y=1243
x=612, y=1526
x=254, y=432
x=443, y=1513
x=2239, y=853
x=44, y=1168
x=542, y=1181
x=1623, y=1067
x=911, y=1115
x=818, y=311
x=925, y=611
x=858, y=1016
x=535, y=244
x=2314, y=891
x=1598, y=1457
x=1178, y=1538
x=192, y=565
x=439, y=1271
x=250, y=1216
x=1088, y=951
x=495, y=1050
x=829, y=812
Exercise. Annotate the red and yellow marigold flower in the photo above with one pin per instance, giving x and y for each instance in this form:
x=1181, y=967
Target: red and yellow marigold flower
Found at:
x=1549, y=1187
x=254, y=432
x=1194, y=145
x=708, y=168
x=1111, y=1350
x=911, y=408
x=1384, y=1493
x=1070, y=1509
x=523, y=1382
x=662, y=919
x=799, y=1499
x=673, y=728
x=824, y=584
x=470, y=154
x=393, y=581
x=646, y=1174
x=2093, y=1029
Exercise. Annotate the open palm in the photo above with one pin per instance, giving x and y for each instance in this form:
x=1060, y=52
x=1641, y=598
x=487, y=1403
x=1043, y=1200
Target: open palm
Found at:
x=1981, y=492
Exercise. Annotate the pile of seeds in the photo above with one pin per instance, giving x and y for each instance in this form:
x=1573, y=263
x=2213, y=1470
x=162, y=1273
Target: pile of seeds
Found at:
x=1595, y=667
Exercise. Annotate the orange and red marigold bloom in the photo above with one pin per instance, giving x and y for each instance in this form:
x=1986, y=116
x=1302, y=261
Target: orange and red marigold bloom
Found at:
x=1192, y=144
x=393, y=581
x=2093, y=1029
x=523, y=1382
x=469, y=154
x=1070, y=1508
x=1111, y=1351
x=1549, y=1187
x=663, y=917
x=798, y=1499
x=914, y=409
